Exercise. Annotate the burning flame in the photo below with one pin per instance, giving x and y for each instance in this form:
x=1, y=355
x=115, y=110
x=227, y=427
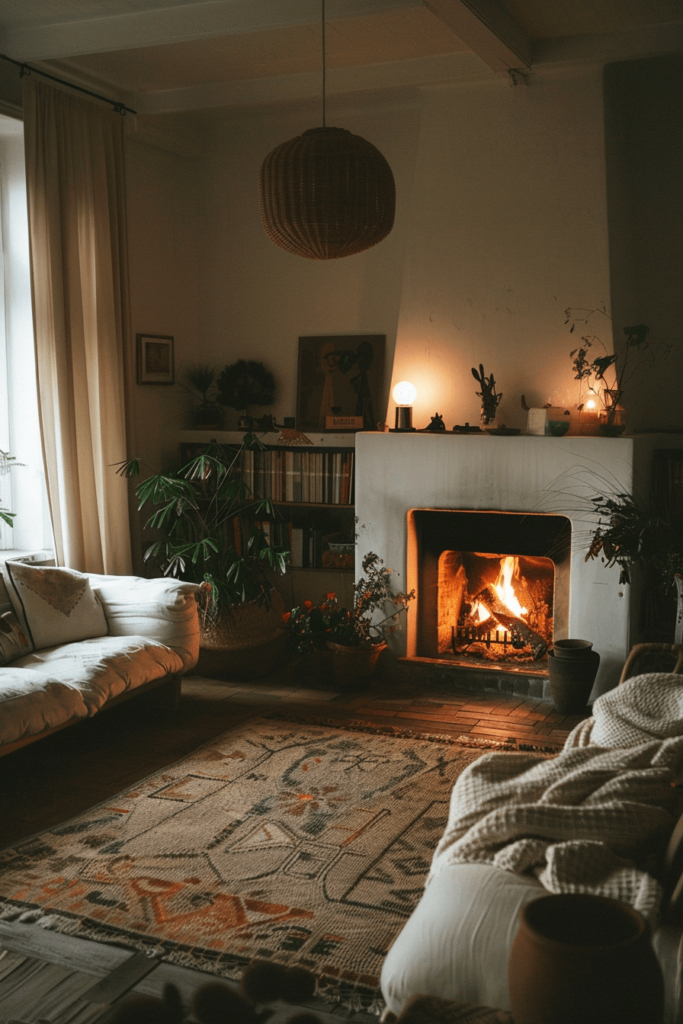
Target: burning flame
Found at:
x=509, y=568
x=503, y=586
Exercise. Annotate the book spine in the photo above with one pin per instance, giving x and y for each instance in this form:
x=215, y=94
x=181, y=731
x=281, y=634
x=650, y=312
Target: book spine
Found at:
x=297, y=548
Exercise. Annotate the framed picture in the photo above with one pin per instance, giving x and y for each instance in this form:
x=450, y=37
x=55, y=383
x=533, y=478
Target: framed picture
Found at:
x=339, y=382
x=155, y=359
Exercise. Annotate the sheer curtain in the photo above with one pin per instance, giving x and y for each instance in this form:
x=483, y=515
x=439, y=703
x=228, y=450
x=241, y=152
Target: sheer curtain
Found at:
x=75, y=188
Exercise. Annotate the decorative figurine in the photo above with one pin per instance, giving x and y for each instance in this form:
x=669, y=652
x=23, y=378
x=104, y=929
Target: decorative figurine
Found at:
x=489, y=399
x=437, y=424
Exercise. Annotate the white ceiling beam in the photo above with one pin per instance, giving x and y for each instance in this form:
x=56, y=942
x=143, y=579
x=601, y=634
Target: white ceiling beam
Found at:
x=488, y=29
x=288, y=88
x=628, y=44
x=178, y=23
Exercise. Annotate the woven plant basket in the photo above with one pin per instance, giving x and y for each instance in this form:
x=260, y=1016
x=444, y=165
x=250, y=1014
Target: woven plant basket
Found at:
x=327, y=194
x=245, y=642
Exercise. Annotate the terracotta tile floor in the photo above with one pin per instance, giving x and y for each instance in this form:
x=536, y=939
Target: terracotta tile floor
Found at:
x=56, y=778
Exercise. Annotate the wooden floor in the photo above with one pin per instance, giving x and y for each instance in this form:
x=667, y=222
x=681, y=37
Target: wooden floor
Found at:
x=44, y=975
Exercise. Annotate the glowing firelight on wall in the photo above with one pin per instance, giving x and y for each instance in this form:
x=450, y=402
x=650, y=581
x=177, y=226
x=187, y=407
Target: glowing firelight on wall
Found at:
x=404, y=394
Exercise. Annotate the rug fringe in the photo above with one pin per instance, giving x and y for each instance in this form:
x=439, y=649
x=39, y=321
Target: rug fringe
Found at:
x=330, y=991
x=399, y=732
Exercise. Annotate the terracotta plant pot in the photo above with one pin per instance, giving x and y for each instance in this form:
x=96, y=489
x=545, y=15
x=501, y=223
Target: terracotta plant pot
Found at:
x=572, y=668
x=588, y=959
x=245, y=642
x=354, y=666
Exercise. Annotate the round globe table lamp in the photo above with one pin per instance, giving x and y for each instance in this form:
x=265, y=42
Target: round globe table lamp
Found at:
x=404, y=394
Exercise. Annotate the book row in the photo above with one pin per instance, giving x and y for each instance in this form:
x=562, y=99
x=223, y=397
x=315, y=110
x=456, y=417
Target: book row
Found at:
x=321, y=477
x=310, y=547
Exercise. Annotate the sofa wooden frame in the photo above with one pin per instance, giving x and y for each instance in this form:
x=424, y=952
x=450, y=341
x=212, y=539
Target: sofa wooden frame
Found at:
x=166, y=694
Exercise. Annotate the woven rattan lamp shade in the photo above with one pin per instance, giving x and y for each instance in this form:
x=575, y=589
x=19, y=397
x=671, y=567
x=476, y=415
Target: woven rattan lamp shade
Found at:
x=327, y=194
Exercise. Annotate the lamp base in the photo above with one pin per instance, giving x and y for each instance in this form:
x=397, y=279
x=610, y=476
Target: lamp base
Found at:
x=404, y=418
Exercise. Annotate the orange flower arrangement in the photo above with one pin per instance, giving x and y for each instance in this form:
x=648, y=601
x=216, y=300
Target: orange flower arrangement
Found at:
x=311, y=626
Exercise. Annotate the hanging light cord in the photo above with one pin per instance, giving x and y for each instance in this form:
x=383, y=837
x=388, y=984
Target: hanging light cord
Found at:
x=26, y=69
x=323, y=38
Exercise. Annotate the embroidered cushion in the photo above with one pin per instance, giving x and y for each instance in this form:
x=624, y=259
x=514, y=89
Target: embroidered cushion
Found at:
x=13, y=640
x=57, y=605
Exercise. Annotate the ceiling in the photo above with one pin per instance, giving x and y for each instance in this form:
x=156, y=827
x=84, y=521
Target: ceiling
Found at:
x=165, y=55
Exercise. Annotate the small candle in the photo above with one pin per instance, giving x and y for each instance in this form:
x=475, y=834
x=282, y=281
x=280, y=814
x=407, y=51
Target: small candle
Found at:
x=588, y=417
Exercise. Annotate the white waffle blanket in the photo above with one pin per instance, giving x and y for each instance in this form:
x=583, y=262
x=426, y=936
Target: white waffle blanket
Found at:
x=593, y=819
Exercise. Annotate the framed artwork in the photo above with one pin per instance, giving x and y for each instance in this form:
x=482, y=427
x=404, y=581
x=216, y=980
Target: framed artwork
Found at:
x=339, y=382
x=155, y=359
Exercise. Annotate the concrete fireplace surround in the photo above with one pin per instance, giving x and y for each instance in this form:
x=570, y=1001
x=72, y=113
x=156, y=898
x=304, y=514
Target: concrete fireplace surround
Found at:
x=398, y=473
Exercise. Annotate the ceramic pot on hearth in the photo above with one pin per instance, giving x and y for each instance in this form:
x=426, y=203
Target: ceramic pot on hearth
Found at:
x=354, y=667
x=572, y=668
x=584, y=959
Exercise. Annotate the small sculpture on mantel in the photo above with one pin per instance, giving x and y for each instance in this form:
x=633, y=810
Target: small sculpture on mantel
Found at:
x=489, y=399
x=437, y=424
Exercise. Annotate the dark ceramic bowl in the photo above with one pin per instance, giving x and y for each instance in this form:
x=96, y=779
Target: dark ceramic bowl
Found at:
x=558, y=428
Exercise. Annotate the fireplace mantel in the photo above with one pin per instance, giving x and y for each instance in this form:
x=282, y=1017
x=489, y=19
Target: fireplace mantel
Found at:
x=396, y=473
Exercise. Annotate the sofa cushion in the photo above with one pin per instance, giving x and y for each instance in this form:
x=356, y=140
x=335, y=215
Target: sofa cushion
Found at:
x=161, y=609
x=104, y=667
x=30, y=703
x=58, y=605
x=13, y=641
x=457, y=942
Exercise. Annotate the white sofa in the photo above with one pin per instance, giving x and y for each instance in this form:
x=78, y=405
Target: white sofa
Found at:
x=152, y=639
x=624, y=764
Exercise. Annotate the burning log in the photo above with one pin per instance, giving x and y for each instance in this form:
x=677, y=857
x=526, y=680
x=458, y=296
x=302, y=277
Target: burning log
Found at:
x=502, y=614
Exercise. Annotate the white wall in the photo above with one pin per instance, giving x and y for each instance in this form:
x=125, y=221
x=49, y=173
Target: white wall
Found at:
x=258, y=299
x=508, y=229
x=163, y=233
x=500, y=225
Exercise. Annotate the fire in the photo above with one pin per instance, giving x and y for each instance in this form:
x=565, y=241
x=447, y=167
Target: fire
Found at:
x=503, y=586
x=509, y=568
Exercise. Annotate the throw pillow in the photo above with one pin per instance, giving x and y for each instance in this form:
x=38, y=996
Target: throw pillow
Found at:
x=13, y=642
x=58, y=605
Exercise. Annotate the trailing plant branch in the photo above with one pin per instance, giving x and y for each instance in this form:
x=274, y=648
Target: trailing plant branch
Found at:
x=632, y=531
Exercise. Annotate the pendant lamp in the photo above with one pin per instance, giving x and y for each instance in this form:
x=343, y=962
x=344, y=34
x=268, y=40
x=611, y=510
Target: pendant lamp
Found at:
x=327, y=193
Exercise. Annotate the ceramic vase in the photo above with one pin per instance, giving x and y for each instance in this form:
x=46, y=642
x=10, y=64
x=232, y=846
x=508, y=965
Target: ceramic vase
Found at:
x=572, y=668
x=582, y=958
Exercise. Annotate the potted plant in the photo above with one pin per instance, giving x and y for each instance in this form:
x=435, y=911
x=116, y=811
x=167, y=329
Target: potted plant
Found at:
x=355, y=636
x=208, y=530
x=243, y=384
x=7, y=462
x=200, y=380
x=633, y=532
x=606, y=376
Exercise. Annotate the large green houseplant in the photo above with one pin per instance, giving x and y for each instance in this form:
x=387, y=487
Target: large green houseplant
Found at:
x=207, y=527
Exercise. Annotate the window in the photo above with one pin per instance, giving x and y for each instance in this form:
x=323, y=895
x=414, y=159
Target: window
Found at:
x=22, y=489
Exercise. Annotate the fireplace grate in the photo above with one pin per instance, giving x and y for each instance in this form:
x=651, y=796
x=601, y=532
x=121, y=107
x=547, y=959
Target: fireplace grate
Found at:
x=463, y=637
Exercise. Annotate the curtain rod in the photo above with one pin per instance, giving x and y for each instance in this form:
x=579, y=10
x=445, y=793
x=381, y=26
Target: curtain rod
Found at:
x=26, y=69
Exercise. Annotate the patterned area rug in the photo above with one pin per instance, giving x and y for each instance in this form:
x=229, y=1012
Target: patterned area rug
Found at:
x=301, y=843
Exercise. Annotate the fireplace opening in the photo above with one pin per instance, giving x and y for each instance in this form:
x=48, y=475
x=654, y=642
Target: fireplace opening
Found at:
x=491, y=586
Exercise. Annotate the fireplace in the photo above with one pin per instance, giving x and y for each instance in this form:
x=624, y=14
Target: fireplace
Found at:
x=539, y=489
x=493, y=586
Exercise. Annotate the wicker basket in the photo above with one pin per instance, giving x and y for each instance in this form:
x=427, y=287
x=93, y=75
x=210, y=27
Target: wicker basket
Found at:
x=245, y=642
x=327, y=194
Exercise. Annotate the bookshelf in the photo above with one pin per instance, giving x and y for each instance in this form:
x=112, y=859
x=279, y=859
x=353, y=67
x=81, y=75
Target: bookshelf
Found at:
x=312, y=489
